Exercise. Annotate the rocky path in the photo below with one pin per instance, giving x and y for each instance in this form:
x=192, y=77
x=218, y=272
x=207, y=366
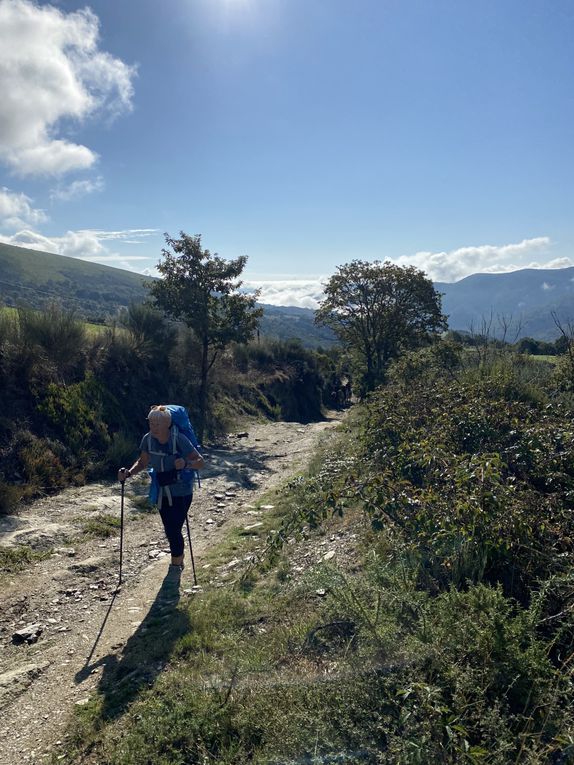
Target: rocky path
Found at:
x=62, y=623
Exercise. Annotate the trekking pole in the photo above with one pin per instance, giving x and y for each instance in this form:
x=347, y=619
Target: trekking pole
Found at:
x=121, y=530
x=191, y=550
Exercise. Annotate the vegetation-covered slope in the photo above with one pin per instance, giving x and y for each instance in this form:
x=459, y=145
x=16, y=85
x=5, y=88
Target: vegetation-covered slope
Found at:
x=37, y=278
x=96, y=292
x=438, y=629
x=74, y=402
x=529, y=296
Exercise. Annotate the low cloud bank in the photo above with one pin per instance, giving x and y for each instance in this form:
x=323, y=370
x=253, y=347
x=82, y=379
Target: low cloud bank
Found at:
x=301, y=293
x=307, y=292
x=453, y=265
x=446, y=266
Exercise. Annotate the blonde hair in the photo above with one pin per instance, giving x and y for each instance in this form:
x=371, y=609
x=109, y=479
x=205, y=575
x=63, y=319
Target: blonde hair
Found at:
x=159, y=412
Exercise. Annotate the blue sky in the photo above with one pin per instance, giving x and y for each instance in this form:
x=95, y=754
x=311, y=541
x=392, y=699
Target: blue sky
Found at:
x=301, y=133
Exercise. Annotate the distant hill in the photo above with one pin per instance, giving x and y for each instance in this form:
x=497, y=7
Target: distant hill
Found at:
x=97, y=292
x=36, y=278
x=528, y=296
x=290, y=322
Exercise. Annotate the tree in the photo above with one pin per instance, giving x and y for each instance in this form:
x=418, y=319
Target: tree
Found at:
x=201, y=289
x=379, y=310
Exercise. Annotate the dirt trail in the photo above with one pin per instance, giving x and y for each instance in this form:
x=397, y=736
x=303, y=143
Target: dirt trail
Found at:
x=85, y=626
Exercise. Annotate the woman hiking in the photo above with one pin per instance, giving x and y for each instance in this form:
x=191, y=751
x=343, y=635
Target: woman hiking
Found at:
x=172, y=463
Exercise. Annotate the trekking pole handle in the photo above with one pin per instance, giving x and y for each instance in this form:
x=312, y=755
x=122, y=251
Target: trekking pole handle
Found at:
x=123, y=475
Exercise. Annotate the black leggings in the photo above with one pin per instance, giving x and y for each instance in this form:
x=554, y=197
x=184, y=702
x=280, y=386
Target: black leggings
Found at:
x=173, y=519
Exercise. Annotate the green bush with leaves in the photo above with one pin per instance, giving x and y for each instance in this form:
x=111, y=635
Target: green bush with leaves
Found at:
x=75, y=414
x=480, y=484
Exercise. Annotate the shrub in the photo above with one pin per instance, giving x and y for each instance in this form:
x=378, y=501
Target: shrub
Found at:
x=40, y=464
x=121, y=451
x=10, y=496
x=59, y=335
x=75, y=414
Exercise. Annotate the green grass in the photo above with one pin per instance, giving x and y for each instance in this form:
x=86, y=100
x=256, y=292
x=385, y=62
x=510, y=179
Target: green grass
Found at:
x=367, y=674
x=548, y=359
x=362, y=665
x=14, y=559
x=92, y=330
x=101, y=526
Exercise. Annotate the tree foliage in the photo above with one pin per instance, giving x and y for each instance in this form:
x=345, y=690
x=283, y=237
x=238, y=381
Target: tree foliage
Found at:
x=201, y=289
x=378, y=310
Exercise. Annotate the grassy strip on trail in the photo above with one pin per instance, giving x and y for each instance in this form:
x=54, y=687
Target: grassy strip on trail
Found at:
x=422, y=649
x=14, y=559
x=101, y=526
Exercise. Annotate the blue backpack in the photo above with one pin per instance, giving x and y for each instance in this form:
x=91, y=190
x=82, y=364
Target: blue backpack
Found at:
x=180, y=423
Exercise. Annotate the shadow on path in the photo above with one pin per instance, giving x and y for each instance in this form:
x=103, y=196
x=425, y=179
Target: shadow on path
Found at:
x=143, y=656
x=237, y=458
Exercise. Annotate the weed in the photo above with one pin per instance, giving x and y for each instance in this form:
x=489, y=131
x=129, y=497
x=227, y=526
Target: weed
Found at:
x=101, y=526
x=13, y=559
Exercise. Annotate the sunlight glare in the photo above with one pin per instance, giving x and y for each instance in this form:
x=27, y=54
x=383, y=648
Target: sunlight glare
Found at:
x=236, y=5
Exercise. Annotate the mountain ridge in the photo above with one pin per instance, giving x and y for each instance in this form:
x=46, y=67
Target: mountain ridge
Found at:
x=96, y=292
x=528, y=296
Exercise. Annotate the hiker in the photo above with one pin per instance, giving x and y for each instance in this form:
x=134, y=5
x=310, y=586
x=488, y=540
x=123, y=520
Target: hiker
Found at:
x=175, y=493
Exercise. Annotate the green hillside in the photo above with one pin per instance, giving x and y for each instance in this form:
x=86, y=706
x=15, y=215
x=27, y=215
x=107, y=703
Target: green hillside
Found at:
x=529, y=296
x=36, y=278
x=97, y=292
x=289, y=322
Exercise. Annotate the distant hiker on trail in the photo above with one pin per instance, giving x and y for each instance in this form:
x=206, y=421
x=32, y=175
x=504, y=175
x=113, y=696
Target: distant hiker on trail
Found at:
x=173, y=458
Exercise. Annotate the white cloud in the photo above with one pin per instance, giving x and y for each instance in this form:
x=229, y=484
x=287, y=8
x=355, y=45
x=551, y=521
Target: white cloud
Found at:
x=84, y=245
x=150, y=272
x=439, y=266
x=556, y=263
x=125, y=234
x=78, y=189
x=456, y=264
x=302, y=293
x=16, y=211
x=52, y=70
